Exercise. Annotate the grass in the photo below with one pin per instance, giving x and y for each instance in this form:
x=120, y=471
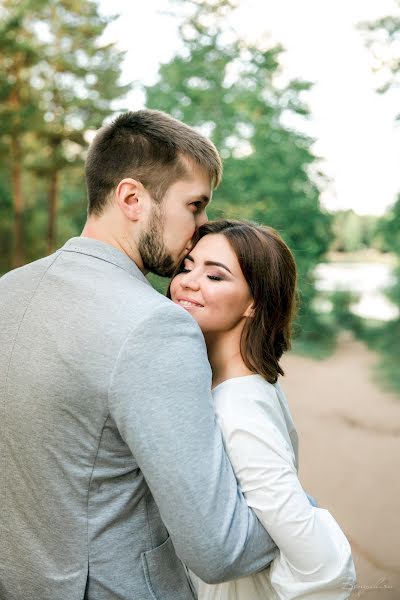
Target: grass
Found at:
x=385, y=340
x=381, y=337
x=387, y=374
x=318, y=349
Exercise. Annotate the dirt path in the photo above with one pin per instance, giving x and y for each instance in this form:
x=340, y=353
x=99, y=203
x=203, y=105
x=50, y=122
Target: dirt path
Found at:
x=350, y=457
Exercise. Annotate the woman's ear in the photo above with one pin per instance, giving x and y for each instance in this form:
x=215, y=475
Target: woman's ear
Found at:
x=249, y=312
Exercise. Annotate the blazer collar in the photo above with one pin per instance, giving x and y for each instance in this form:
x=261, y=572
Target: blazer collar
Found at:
x=103, y=251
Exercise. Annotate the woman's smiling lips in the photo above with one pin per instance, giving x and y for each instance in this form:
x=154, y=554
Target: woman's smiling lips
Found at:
x=188, y=303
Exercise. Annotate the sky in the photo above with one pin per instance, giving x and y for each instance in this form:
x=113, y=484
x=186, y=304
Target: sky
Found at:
x=356, y=137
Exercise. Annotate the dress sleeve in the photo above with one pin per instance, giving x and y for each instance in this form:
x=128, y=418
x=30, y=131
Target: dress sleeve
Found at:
x=315, y=557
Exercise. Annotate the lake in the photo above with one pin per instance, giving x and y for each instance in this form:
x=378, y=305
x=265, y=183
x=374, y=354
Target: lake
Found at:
x=368, y=280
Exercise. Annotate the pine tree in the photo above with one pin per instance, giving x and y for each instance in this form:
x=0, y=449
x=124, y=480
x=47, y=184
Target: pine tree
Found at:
x=19, y=111
x=58, y=80
x=79, y=78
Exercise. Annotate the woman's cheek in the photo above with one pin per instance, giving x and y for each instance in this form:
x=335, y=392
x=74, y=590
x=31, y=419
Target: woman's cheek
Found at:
x=174, y=287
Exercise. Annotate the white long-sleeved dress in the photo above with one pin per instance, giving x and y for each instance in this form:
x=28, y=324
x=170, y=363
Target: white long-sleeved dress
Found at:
x=315, y=559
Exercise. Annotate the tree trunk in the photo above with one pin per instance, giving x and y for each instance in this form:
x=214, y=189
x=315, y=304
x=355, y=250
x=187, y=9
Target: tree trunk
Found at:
x=53, y=209
x=16, y=178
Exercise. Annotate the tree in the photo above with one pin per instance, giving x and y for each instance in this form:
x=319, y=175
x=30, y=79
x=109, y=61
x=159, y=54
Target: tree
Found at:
x=19, y=113
x=354, y=232
x=79, y=79
x=390, y=229
x=230, y=90
x=6, y=220
x=58, y=80
x=387, y=339
x=383, y=39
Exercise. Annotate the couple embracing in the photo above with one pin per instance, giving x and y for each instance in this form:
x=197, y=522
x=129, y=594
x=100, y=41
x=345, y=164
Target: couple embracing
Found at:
x=148, y=451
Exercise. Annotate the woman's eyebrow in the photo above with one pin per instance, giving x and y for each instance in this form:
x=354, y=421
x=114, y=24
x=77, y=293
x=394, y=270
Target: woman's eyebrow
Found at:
x=211, y=263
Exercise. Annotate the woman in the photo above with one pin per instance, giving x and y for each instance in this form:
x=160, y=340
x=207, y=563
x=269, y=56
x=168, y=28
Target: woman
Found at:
x=239, y=283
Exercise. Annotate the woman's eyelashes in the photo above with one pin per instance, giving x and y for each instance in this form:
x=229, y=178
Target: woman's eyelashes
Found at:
x=215, y=277
x=212, y=277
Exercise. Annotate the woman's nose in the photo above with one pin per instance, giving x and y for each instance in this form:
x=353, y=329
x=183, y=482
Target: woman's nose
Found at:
x=190, y=280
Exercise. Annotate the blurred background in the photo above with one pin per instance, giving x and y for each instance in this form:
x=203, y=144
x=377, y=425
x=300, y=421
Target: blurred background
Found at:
x=302, y=99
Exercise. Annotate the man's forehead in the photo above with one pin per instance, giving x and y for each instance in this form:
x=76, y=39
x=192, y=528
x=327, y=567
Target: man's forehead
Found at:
x=194, y=170
x=196, y=189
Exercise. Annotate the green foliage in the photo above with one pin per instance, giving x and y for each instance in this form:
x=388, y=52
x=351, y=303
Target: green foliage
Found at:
x=78, y=76
x=316, y=344
x=231, y=90
x=341, y=313
x=389, y=228
x=383, y=38
x=20, y=52
x=385, y=338
x=354, y=232
x=6, y=224
x=389, y=346
x=58, y=80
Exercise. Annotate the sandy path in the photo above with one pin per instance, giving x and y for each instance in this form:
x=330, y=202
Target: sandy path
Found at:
x=350, y=457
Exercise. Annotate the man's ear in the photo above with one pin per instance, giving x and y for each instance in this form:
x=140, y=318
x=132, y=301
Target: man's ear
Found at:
x=129, y=196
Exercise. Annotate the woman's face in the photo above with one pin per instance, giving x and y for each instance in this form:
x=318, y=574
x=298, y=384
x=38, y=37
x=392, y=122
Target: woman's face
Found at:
x=212, y=286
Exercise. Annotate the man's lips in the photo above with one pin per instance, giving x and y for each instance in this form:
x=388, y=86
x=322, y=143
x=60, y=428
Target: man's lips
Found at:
x=188, y=302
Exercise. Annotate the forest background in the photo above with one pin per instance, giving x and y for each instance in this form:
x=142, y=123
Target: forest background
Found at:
x=59, y=81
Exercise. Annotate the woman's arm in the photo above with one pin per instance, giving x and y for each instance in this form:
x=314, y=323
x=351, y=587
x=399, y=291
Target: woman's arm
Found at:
x=315, y=559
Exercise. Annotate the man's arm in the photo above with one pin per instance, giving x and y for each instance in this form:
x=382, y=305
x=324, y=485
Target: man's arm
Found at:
x=160, y=398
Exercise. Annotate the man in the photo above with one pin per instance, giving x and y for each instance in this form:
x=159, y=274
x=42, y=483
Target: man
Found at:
x=112, y=464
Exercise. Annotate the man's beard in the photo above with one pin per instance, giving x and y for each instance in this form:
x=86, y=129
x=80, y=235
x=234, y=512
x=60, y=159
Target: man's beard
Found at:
x=154, y=254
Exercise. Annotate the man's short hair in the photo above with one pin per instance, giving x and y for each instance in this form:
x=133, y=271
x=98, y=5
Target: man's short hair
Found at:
x=149, y=146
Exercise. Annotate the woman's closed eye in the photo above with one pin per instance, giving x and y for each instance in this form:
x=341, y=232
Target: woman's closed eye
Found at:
x=211, y=277
x=215, y=277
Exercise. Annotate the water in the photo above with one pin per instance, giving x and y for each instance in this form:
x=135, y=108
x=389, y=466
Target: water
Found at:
x=368, y=280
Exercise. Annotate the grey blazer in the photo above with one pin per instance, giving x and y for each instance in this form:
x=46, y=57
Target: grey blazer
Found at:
x=112, y=465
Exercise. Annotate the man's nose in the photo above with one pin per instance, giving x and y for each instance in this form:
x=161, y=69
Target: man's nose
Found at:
x=202, y=219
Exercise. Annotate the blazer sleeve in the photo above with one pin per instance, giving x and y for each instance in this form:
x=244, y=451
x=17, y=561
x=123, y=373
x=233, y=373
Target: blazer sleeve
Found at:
x=160, y=398
x=315, y=557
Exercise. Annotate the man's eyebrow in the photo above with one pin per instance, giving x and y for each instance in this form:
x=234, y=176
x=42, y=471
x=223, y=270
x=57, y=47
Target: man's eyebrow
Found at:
x=211, y=263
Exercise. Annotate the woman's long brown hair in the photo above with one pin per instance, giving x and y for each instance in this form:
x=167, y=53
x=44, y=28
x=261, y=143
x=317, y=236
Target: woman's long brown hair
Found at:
x=270, y=271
